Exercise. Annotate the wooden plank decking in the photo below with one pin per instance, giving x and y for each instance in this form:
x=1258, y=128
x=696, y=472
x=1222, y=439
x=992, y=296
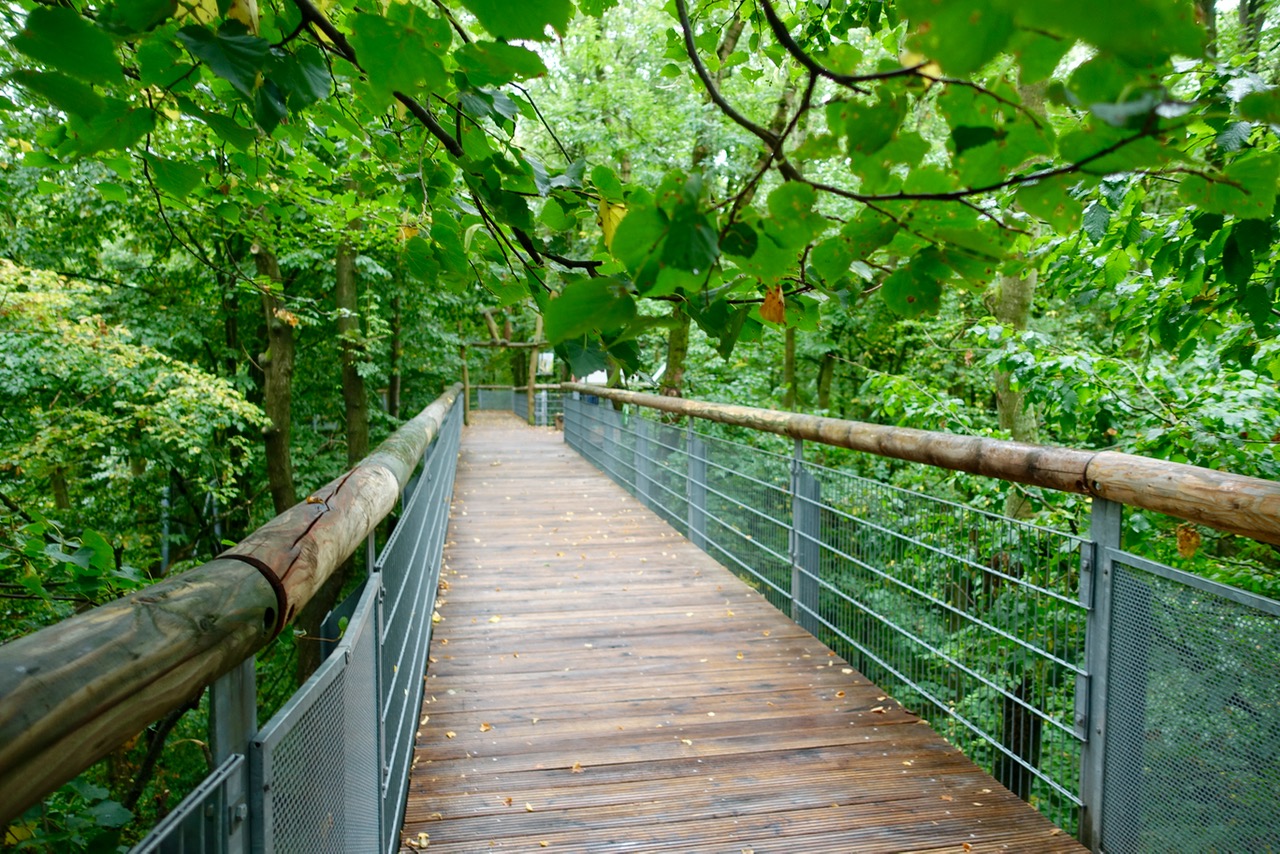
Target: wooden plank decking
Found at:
x=599, y=684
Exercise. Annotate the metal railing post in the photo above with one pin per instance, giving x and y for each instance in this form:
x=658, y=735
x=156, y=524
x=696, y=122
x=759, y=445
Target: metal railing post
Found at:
x=1096, y=577
x=806, y=494
x=233, y=721
x=642, y=459
x=697, y=488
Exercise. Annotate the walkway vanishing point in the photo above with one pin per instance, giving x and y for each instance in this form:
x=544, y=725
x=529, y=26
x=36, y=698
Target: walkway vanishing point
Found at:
x=597, y=683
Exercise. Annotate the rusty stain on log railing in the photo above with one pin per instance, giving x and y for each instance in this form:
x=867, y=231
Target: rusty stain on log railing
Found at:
x=1237, y=504
x=73, y=692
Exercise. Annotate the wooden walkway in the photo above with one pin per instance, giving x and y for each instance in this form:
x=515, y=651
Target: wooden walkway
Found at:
x=598, y=684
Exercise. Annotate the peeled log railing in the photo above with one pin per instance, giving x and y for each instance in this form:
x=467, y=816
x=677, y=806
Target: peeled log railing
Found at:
x=1248, y=506
x=73, y=692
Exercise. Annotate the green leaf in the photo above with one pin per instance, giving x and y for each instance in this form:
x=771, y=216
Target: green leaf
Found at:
x=868, y=233
x=587, y=305
x=960, y=35
x=175, y=178
x=1050, y=201
x=112, y=192
x=916, y=289
x=1261, y=106
x=303, y=77
x=691, y=243
x=116, y=128
x=109, y=814
x=65, y=93
x=232, y=53
x=527, y=19
x=832, y=258
x=395, y=56
x=638, y=236
x=1237, y=262
x=419, y=260
x=489, y=63
x=160, y=63
x=62, y=39
x=606, y=182
x=227, y=129
x=740, y=240
x=139, y=16
x=868, y=127
x=1247, y=188
x=1096, y=220
x=1140, y=32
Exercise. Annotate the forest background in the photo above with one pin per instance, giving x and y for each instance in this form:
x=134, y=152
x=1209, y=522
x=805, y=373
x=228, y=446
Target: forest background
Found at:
x=243, y=240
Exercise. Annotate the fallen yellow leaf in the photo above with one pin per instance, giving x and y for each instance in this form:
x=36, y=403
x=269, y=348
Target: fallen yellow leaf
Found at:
x=576, y=769
x=450, y=734
x=486, y=727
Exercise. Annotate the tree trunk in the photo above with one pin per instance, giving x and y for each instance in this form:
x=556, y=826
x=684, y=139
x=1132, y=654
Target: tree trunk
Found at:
x=354, y=397
x=826, y=373
x=672, y=384
x=1014, y=297
x=277, y=366
x=789, y=369
x=397, y=357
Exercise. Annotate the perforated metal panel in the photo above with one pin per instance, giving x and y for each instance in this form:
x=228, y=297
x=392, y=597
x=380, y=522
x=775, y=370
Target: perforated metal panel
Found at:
x=1193, y=716
x=207, y=819
x=316, y=762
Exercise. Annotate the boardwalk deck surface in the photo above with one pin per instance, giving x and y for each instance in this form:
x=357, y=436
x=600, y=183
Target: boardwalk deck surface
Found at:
x=599, y=684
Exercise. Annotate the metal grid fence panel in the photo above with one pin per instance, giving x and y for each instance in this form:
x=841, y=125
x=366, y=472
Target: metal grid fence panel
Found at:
x=206, y=819
x=1193, y=716
x=410, y=578
x=923, y=595
x=315, y=763
x=748, y=513
x=968, y=618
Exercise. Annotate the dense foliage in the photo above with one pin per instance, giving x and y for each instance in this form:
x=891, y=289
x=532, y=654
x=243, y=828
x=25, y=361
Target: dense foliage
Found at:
x=241, y=233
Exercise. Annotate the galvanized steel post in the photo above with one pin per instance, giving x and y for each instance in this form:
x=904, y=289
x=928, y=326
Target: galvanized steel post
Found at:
x=1096, y=577
x=806, y=497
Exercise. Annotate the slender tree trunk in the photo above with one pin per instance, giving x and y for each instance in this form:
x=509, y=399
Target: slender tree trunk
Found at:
x=277, y=366
x=672, y=384
x=789, y=397
x=826, y=373
x=397, y=356
x=354, y=396
x=1014, y=297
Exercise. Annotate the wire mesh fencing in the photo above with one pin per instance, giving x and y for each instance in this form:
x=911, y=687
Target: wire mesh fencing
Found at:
x=330, y=771
x=1131, y=703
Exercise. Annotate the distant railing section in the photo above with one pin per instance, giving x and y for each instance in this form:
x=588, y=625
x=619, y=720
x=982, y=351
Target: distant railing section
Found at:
x=1132, y=703
x=547, y=402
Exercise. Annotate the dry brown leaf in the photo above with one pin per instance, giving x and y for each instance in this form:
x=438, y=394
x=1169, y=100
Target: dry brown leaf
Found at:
x=839, y=693
x=967, y=847
x=1188, y=540
x=947, y=798
x=774, y=307
x=485, y=727
x=507, y=801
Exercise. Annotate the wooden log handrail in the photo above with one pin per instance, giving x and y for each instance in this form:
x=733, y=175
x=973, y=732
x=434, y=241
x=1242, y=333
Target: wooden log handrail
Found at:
x=73, y=692
x=1237, y=504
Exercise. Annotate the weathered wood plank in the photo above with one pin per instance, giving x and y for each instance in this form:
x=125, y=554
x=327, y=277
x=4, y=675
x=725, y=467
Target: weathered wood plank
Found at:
x=596, y=683
x=1248, y=506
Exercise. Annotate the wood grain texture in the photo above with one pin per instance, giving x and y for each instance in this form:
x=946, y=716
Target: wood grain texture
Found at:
x=1248, y=506
x=598, y=684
